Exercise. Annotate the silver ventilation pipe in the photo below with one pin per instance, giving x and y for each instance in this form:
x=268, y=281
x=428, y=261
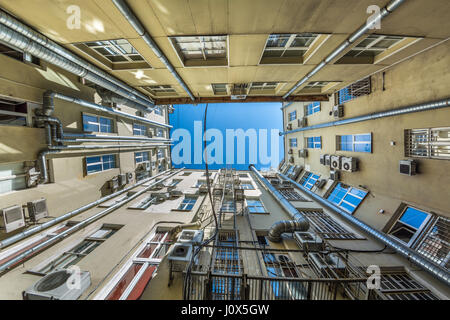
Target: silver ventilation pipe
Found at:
x=49, y=105
x=104, y=137
x=286, y=226
x=302, y=224
x=27, y=233
x=22, y=43
x=377, y=115
x=25, y=255
x=390, y=7
x=137, y=25
x=435, y=270
x=42, y=40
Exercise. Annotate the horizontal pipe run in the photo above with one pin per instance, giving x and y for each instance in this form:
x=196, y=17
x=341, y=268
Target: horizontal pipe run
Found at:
x=285, y=204
x=378, y=115
x=33, y=35
x=7, y=178
x=25, y=255
x=25, y=234
x=75, y=140
x=140, y=29
x=435, y=270
x=101, y=108
x=104, y=137
x=390, y=7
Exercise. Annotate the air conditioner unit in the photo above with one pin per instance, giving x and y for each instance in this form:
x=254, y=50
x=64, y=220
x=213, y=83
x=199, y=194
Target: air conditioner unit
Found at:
x=143, y=166
x=180, y=256
x=37, y=209
x=335, y=162
x=160, y=196
x=303, y=122
x=408, y=167
x=114, y=183
x=328, y=265
x=289, y=127
x=282, y=258
x=291, y=159
x=322, y=159
x=327, y=160
x=285, y=184
x=203, y=188
x=140, y=113
x=150, y=133
x=303, y=153
x=335, y=175
x=239, y=91
x=122, y=179
x=349, y=164
x=309, y=241
x=176, y=193
x=190, y=236
x=130, y=177
x=59, y=285
x=297, y=172
x=320, y=183
x=338, y=111
x=274, y=182
x=11, y=219
x=291, y=151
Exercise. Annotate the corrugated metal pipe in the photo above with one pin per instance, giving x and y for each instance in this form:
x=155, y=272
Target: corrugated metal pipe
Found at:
x=427, y=106
x=390, y=7
x=24, y=44
x=137, y=25
x=28, y=253
x=30, y=33
x=27, y=233
x=302, y=224
x=434, y=269
x=286, y=226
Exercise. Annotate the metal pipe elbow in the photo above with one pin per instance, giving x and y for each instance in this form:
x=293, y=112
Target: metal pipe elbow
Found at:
x=284, y=226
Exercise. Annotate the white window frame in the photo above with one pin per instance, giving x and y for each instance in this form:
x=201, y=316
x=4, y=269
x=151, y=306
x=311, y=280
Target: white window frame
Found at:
x=113, y=129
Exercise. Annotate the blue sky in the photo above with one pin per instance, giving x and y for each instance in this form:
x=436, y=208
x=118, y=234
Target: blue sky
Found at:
x=223, y=116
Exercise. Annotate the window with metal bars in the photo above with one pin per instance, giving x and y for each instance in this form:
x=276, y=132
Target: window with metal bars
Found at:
x=220, y=89
x=291, y=195
x=201, y=50
x=400, y=286
x=433, y=143
x=355, y=90
x=327, y=227
x=435, y=243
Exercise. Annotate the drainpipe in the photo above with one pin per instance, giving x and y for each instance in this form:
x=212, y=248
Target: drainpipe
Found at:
x=28, y=253
x=49, y=105
x=137, y=25
x=30, y=33
x=301, y=223
x=390, y=7
x=24, y=44
x=25, y=234
x=435, y=270
x=427, y=106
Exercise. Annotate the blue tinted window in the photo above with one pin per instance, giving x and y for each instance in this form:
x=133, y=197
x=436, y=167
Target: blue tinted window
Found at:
x=98, y=164
x=414, y=217
x=312, y=108
x=356, y=143
x=347, y=198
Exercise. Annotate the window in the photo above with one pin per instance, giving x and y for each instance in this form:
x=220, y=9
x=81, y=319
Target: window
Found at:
x=410, y=224
x=433, y=143
x=326, y=227
x=161, y=167
x=93, y=123
x=293, y=142
x=117, y=54
x=292, y=115
x=287, y=48
x=316, y=84
x=187, y=204
x=243, y=175
x=161, y=154
x=200, y=183
x=100, y=163
x=201, y=50
x=220, y=89
x=372, y=46
x=247, y=186
x=309, y=179
x=346, y=197
x=355, y=90
x=228, y=206
x=161, y=90
x=77, y=253
x=13, y=113
x=139, y=129
x=314, y=143
x=400, y=286
x=158, y=111
x=312, y=108
x=174, y=182
x=19, y=55
x=291, y=195
x=354, y=143
x=258, y=87
x=435, y=244
x=17, y=174
x=255, y=206
x=140, y=157
x=160, y=133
